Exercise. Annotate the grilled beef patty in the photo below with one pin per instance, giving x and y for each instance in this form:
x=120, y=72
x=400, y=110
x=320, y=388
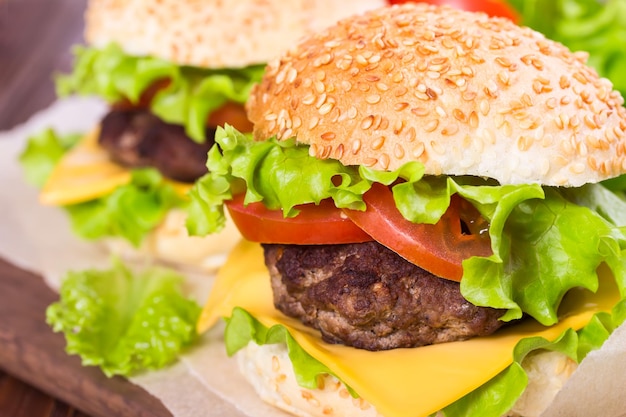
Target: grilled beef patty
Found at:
x=137, y=138
x=366, y=296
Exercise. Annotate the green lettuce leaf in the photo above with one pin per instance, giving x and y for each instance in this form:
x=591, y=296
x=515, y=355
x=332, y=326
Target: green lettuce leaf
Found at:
x=188, y=99
x=545, y=241
x=493, y=399
x=131, y=211
x=124, y=322
x=242, y=328
x=598, y=27
x=42, y=152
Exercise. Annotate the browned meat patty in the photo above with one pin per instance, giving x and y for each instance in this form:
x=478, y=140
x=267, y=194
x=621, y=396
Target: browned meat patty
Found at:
x=366, y=296
x=137, y=138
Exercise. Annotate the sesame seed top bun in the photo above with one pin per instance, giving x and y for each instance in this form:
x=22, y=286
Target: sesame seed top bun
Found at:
x=212, y=33
x=463, y=93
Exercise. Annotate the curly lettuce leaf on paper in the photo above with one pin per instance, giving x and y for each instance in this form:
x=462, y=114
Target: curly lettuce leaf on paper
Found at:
x=124, y=322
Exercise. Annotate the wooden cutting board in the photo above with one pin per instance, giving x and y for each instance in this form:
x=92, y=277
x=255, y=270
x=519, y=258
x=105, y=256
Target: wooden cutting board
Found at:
x=32, y=352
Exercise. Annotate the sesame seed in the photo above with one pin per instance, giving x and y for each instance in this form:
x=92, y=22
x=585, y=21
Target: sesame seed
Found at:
x=286, y=399
x=398, y=151
x=450, y=129
x=373, y=99
x=291, y=75
x=400, y=106
x=328, y=136
x=378, y=143
x=384, y=161
x=503, y=61
x=326, y=108
x=577, y=168
x=370, y=162
x=397, y=77
x=459, y=115
x=321, y=99
x=400, y=91
x=559, y=122
x=503, y=77
x=418, y=150
x=524, y=143
x=398, y=126
x=431, y=125
x=367, y=122
x=419, y=111
x=484, y=107
x=437, y=147
x=411, y=134
x=339, y=151
x=364, y=87
x=382, y=86
x=440, y=111
x=580, y=77
x=313, y=122
x=507, y=128
x=319, y=86
x=473, y=120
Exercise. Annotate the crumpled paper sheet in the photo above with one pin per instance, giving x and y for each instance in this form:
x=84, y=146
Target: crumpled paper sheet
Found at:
x=207, y=382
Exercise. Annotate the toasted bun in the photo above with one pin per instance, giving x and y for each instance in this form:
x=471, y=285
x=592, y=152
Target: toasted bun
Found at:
x=212, y=34
x=269, y=371
x=463, y=93
x=170, y=243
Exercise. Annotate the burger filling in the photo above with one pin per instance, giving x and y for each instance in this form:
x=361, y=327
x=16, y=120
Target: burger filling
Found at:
x=137, y=138
x=366, y=296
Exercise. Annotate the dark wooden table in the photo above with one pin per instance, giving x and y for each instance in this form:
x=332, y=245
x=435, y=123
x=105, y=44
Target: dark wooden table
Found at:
x=36, y=377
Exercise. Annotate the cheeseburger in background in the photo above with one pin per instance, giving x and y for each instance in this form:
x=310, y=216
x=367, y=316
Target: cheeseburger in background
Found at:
x=171, y=71
x=426, y=186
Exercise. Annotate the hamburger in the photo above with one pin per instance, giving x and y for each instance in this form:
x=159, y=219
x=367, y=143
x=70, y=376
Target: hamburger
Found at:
x=171, y=72
x=427, y=228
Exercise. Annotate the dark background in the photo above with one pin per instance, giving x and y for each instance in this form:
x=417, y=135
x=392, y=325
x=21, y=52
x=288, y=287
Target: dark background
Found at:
x=36, y=37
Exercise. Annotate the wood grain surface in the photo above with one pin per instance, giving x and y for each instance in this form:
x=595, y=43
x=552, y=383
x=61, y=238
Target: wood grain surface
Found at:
x=33, y=353
x=37, y=378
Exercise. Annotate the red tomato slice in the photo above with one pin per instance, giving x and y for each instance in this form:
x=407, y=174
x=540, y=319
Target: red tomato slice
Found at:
x=496, y=8
x=232, y=113
x=314, y=225
x=439, y=248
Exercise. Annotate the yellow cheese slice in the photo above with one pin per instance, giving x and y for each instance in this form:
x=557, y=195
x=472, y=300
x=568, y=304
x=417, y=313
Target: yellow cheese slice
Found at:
x=86, y=173
x=425, y=379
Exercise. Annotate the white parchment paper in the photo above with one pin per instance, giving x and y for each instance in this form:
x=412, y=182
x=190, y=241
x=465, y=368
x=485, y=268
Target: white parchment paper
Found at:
x=205, y=382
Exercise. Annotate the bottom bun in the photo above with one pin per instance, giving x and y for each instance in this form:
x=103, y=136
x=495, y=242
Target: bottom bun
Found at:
x=170, y=244
x=269, y=370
